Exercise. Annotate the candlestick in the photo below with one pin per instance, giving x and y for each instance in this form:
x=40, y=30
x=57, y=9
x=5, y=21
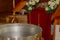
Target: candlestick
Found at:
x=14, y=15
x=13, y=7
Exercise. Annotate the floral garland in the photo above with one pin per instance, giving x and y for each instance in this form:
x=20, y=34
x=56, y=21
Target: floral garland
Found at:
x=31, y=4
x=49, y=6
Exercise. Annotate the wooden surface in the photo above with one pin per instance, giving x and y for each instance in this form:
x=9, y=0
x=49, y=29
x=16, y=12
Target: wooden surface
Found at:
x=19, y=19
x=56, y=22
x=19, y=6
x=5, y=5
x=56, y=14
x=56, y=18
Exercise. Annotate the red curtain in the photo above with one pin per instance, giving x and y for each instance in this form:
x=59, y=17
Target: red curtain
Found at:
x=33, y=17
x=39, y=17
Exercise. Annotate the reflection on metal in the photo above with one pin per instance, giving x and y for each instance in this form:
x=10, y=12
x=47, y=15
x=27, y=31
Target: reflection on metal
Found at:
x=19, y=31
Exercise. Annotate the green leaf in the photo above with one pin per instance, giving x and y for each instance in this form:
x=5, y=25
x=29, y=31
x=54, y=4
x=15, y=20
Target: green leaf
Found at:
x=28, y=10
x=49, y=11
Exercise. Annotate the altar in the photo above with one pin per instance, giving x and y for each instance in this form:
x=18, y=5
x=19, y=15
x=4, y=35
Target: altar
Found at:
x=38, y=16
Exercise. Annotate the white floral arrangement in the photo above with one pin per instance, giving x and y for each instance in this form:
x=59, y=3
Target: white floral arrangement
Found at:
x=30, y=5
x=49, y=6
x=52, y=5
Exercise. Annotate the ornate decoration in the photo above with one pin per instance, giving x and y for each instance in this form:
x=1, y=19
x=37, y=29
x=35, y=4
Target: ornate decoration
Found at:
x=50, y=6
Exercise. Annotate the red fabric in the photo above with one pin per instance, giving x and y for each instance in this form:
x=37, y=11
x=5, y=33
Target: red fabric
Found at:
x=34, y=17
x=44, y=21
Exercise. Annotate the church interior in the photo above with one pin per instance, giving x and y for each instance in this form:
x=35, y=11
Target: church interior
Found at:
x=43, y=13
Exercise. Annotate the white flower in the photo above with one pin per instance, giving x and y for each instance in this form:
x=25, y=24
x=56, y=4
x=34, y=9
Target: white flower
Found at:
x=30, y=2
x=57, y=1
x=46, y=8
x=52, y=0
x=30, y=8
x=49, y=2
x=37, y=1
x=52, y=7
x=33, y=2
x=27, y=3
x=52, y=4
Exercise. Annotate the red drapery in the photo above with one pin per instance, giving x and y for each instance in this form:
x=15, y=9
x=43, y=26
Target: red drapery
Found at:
x=39, y=16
